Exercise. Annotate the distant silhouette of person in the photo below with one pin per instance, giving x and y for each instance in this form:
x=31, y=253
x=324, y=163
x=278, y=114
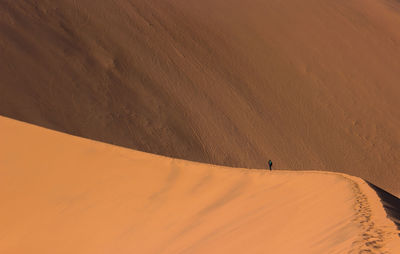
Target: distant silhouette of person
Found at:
x=270, y=164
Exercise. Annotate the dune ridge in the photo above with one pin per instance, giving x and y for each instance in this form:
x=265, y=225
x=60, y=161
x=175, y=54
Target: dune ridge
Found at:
x=310, y=84
x=64, y=194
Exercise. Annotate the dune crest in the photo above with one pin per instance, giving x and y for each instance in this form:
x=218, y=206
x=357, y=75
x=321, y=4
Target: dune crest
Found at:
x=64, y=194
x=312, y=84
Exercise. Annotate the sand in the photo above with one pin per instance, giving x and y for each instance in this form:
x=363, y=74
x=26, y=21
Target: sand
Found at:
x=309, y=84
x=64, y=194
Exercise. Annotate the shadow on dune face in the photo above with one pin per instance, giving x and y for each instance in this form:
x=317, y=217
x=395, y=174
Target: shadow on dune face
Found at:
x=390, y=203
x=227, y=83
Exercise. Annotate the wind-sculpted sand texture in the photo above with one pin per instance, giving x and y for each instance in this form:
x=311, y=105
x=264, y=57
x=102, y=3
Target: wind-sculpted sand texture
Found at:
x=64, y=194
x=310, y=84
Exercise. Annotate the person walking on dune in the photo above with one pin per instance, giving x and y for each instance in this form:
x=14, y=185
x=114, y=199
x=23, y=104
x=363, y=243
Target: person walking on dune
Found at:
x=270, y=164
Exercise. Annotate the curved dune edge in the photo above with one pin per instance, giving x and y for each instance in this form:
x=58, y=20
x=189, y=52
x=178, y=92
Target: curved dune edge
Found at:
x=378, y=230
x=310, y=83
x=390, y=202
x=64, y=194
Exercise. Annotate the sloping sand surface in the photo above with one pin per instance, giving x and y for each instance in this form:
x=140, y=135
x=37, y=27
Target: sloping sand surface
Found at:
x=311, y=84
x=64, y=194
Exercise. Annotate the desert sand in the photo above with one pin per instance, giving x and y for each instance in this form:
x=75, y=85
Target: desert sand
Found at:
x=64, y=194
x=311, y=84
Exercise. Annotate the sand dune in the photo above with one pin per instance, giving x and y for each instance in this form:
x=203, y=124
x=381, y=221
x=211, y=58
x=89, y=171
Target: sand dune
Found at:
x=64, y=194
x=311, y=84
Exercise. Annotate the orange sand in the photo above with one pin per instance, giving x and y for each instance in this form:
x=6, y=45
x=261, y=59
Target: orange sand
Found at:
x=310, y=84
x=64, y=194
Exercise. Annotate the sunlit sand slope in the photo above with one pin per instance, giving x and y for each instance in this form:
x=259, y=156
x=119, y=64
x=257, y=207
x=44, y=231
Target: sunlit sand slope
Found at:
x=63, y=194
x=312, y=84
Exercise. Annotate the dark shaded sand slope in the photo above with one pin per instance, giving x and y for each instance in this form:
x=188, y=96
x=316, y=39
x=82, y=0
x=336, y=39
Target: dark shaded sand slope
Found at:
x=390, y=203
x=64, y=194
x=310, y=84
